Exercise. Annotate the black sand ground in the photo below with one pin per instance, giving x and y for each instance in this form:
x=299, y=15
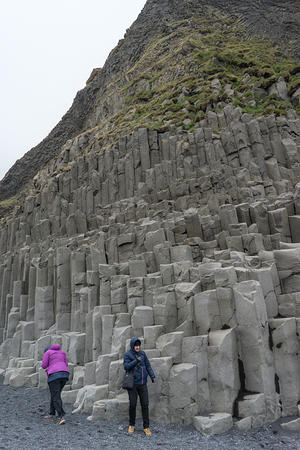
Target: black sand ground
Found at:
x=22, y=426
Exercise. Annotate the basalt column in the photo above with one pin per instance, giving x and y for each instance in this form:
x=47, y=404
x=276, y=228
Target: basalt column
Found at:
x=63, y=290
x=44, y=299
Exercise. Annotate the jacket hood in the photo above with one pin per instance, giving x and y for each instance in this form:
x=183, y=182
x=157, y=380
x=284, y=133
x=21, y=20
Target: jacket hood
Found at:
x=133, y=342
x=55, y=347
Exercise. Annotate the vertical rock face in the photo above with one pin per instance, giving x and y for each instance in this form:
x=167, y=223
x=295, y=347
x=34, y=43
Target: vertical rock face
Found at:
x=178, y=253
x=100, y=99
x=187, y=239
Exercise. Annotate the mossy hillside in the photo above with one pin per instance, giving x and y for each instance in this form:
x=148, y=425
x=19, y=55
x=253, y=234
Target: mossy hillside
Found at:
x=7, y=205
x=172, y=81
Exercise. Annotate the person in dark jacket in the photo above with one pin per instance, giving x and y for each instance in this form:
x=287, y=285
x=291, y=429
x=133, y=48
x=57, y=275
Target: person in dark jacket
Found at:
x=136, y=359
x=55, y=363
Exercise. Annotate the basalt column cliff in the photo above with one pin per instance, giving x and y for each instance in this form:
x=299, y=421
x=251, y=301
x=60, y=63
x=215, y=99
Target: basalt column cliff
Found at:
x=166, y=205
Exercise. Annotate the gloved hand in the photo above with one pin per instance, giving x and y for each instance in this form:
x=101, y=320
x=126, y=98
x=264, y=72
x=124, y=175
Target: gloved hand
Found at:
x=152, y=379
x=139, y=358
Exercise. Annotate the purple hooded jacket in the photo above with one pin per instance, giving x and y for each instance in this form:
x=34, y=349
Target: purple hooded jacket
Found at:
x=55, y=360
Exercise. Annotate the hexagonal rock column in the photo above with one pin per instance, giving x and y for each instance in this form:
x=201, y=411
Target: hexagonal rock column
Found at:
x=279, y=223
x=135, y=293
x=264, y=277
x=223, y=372
x=116, y=373
x=227, y=215
x=77, y=348
x=253, y=339
x=44, y=309
x=102, y=368
x=165, y=309
x=183, y=393
x=118, y=293
x=108, y=321
x=185, y=302
x=158, y=391
x=207, y=314
x=63, y=293
x=171, y=345
x=288, y=266
x=194, y=351
x=142, y=317
x=225, y=277
x=151, y=334
x=119, y=338
x=5, y=289
x=287, y=364
x=105, y=273
x=295, y=228
x=12, y=322
x=97, y=332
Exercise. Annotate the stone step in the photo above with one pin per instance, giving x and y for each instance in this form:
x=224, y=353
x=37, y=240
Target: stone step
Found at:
x=215, y=423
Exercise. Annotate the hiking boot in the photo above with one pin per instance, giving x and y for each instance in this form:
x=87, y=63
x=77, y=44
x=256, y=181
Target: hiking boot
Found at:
x=131, y=429
x=147, y=431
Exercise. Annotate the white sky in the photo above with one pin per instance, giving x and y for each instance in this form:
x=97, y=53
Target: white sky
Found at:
x=48, y=49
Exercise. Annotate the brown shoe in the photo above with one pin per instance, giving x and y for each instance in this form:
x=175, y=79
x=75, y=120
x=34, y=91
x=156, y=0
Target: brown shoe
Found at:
x=147, y=431
x=131, y=429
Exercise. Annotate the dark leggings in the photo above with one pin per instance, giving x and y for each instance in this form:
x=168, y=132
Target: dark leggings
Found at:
x=56, y=386
x=140, y=390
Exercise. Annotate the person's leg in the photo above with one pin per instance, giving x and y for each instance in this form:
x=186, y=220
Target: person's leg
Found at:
x=132, y=393
x=52, y=409
x=55, y=390
x=144, y=399
x=62, y=385
x=51, y=414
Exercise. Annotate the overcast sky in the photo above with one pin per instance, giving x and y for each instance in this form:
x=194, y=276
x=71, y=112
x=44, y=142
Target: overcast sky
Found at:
x=48, y=49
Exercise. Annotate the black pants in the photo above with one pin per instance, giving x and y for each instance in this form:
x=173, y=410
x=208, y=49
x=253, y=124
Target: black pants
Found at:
x=140, y=390
x=56, y=387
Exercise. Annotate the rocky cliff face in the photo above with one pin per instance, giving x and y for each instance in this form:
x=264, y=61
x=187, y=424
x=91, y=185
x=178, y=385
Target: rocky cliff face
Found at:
x=174, y=217
x=100, y=99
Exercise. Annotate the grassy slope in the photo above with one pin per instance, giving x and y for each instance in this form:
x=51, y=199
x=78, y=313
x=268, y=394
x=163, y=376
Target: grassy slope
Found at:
x=172, y=80
x=191, y=57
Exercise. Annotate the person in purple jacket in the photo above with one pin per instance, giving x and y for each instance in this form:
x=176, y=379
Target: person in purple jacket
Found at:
x=55, y=363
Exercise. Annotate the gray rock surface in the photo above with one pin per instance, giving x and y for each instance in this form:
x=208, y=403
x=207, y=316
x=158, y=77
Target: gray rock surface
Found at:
x=90, y=106
x=201, y=282
x=187, y=239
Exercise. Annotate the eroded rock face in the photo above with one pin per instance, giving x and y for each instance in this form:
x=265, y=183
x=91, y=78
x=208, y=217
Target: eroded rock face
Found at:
x=98, y=101
x=187, y=240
